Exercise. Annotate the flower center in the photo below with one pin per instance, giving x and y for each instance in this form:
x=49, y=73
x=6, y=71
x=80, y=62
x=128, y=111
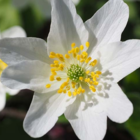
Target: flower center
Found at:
x=75, y=72
x=79, y=70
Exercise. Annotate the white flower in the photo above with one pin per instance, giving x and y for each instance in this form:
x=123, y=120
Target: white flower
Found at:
x=43, y=5
x=80, y=79
x=10, y=33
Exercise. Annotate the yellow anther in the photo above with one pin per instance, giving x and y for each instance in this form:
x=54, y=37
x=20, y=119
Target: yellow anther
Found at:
x=73, y=50
x=56, y=62
x=82, y=60
x=51, y=56
x=69, y=52
x=73, y=45
x=60, y=91
x=48, y=85
x=87, y=80
x=78, y=57
x=52, y=78
x=68, y=79
x=77, y=50
x=92, y=88
x=96, y=75
x=96, y=83
x=83, y=90
x=54, y=73
x=68, y=87
x=91, y=83
x=94, y=79
x=69, y=93
x=88, y=59
x=61, y=67
x=93, y=63
x=58, y=78
x=81, y=78
x=81, y=47
x=92, y=74
x=64, y=91
x=53, y=69
x=84, y=54
x=52, y=65
x=67, y=56
x=98, y=72
x=52, y=53
x=87, y=72
x=74, y=55
x=87, y=44
x=74, y=93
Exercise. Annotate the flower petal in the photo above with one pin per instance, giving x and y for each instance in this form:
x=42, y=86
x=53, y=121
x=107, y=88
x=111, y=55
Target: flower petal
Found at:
x=2, y=97
x=33, y=75
x=120, y=58
x=13, y=32
x=119, y=108
x=66, y=27
x=87, y=124
x=44, y=112
x=109, y=22
x=18, y=49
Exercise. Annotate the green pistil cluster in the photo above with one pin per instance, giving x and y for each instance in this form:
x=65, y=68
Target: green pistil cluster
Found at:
x=74, y=72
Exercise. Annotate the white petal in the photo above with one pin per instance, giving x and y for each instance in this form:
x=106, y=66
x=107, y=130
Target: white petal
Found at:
x=119, y=108
x=21, y=75
x=19, y=49
x=66, y=27
x=43, y=113
x=76, y=1
x=13, y=32
x=44, y=6
x=11, y=91
x=2, y=97
x=109, y=22
x=121, y=58
x=87, y=124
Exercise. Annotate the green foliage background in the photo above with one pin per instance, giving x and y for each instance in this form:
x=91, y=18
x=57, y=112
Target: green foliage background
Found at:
x=36, y=25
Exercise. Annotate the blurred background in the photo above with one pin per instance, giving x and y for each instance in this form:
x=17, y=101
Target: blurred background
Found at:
x=34, y=17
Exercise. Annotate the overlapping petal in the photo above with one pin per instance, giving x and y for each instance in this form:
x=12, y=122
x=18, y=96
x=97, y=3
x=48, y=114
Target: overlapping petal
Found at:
x=18, y=49
x=87, y=123
x=44, y=112
x=121, y=58
x=109, y=22
x=118, y=106
x=32, y=75
x=2, y=97
x=66, y=27
x=13, y=32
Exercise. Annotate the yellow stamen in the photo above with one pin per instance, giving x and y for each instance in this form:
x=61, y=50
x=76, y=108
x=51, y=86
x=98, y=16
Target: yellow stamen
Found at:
x=58, y=78
x=98, y=72
x=78, y=57
x=54, y=73
x=87, y=44
x=67, y=56
x=48, y=85
x=81, y=47
x=81, y=78
x=60, y=91
x=87, y=72
x=69, y=93
x=73, y=45
x=77, y=50
x=51, y=78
